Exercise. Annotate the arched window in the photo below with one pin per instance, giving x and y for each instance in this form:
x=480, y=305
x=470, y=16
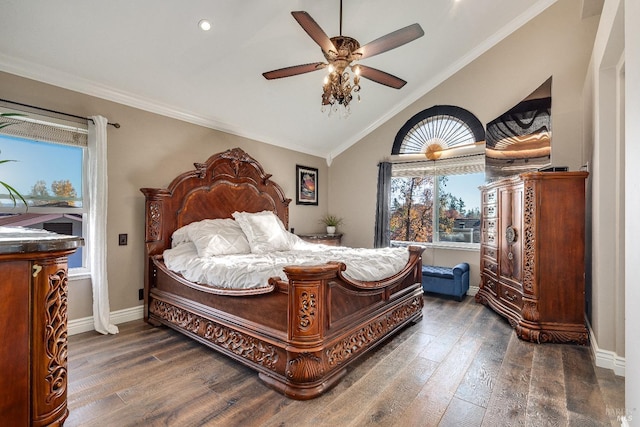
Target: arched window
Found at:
x=436, y=129
x=434, y=197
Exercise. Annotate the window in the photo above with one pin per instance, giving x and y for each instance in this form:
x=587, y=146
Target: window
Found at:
x=47, y=168
x=434, y=197
x=433, y=131
x=436, y=208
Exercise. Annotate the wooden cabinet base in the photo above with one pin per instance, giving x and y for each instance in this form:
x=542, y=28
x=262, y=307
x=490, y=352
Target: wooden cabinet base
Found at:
x=33, y=323
x=537, y=332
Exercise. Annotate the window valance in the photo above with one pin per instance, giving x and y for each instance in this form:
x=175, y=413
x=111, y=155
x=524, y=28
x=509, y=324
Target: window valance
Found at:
x=37, y=127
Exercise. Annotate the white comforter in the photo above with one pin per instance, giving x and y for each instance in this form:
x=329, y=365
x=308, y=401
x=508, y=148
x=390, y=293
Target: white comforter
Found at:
x=250, y=271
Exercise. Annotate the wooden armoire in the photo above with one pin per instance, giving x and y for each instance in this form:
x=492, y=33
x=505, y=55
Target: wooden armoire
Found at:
x=533, y=254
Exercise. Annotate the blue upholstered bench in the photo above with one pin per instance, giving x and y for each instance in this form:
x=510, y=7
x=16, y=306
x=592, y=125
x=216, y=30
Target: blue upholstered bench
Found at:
x=452, y=281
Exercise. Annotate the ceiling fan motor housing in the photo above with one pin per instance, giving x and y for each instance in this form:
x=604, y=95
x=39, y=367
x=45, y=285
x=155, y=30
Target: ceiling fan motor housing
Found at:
x=345, y=46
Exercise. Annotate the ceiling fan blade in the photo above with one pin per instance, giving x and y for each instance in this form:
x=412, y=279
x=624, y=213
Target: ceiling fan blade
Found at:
x=293, y=71
x=315, y=32
x=390, y=41
x=381, y=77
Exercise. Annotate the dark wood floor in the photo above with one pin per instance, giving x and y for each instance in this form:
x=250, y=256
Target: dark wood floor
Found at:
x=462, y=365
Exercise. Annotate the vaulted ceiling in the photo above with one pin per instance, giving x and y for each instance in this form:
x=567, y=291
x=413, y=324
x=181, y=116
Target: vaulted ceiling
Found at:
x=151, y=54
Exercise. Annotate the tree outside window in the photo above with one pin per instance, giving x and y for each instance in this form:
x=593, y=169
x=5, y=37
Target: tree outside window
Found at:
x=447, y=212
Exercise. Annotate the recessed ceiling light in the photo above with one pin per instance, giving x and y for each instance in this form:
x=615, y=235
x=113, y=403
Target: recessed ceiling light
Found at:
x=204, y=25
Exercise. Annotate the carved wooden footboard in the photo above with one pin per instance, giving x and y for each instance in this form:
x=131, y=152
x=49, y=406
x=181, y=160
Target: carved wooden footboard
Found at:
x=301, y=336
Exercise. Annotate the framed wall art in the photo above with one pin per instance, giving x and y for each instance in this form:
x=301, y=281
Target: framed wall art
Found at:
x=306, y=185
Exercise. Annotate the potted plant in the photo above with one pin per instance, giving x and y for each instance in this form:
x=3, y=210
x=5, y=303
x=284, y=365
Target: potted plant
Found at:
x=13, y=193
x=331, y=222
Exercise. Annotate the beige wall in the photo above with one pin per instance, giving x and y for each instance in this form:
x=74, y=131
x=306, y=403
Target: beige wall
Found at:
x=604, y=149
x=612, y=144
x=149, y=150
x=557, y=43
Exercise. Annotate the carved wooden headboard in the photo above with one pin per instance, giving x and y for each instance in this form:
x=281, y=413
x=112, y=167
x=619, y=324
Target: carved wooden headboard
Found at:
x=227, y=182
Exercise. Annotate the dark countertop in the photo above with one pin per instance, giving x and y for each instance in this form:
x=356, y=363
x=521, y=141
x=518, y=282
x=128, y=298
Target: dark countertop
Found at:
x=15, y=240
x=320, y=235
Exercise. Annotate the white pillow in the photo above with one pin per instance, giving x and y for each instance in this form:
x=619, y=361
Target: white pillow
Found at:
x=180, y=236
x=264, y=230
x=218, y=237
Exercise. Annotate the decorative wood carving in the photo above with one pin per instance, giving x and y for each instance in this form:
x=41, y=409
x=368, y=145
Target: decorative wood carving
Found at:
x=529, y=219
x=154, y=221
x=242, y=345
x=362, y=338
x=201, y=170
x=305, y=368
x=55, y=315
x=307, y=314
x=237, y=157
x=238, y=343
x=183, y=318
x=530, y=310
x=564, y=336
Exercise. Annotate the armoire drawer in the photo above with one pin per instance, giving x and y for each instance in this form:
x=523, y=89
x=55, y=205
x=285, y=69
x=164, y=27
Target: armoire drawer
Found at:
x=490, y=253
x=489, y=266
x=511, y=296
x=489, y=238
x=489, y=211
x=490, y=225
x=490, y=284
x=490, y=196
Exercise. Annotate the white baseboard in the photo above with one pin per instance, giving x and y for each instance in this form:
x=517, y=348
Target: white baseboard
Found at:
x=473, y=290
x=85, y=324
x=606, y=358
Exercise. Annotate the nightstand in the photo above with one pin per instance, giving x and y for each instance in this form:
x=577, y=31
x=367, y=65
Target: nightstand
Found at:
x=323, y=238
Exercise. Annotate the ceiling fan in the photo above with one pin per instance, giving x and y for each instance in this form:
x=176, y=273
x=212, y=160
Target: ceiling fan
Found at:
x=341, y=52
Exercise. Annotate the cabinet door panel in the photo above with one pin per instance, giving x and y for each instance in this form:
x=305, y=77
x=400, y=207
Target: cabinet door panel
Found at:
x=14, y=350
x=510, y=235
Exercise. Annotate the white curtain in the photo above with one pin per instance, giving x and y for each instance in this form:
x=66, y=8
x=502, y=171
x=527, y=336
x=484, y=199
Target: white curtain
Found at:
x=96, y=242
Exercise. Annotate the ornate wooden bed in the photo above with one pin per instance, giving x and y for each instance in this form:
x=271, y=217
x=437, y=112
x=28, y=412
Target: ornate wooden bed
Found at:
x=302, y=335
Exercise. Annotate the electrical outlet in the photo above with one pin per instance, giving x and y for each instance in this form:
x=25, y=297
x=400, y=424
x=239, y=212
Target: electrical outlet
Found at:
x=140, y=294
x=122, y=239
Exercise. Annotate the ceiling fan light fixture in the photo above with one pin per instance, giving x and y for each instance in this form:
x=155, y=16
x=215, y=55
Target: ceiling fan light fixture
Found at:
x=338, y=91
x=340, y=86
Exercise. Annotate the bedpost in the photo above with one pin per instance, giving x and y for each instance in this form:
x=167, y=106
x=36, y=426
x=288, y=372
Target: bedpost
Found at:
x=306, y=371
x=155, y=241
x=307, y=296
